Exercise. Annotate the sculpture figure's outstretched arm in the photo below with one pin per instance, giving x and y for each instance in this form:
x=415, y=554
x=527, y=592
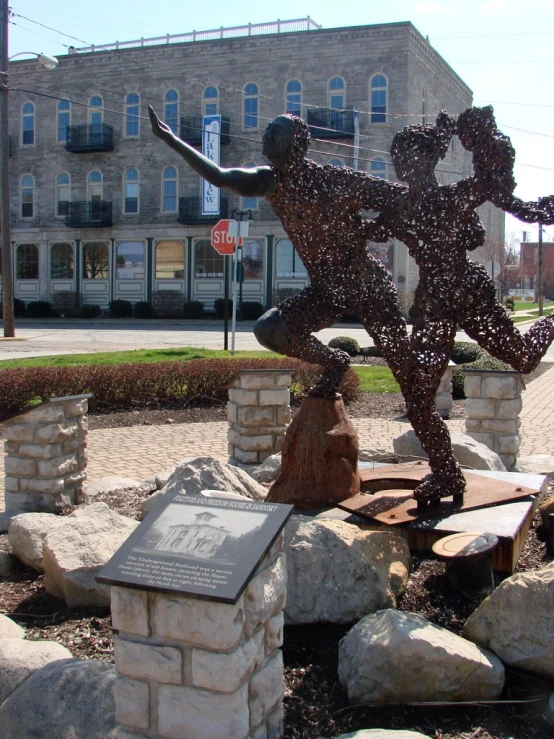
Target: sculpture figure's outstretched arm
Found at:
x=248, y=182
x=536, y=211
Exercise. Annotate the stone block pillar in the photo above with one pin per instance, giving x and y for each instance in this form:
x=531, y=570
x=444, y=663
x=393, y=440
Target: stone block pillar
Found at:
x=46, y=455
x=259, y=413
x=443, y=398
x=493, y=406
x=193, y=669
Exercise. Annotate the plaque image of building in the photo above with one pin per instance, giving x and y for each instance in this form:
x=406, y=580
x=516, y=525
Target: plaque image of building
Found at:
x=201, y=538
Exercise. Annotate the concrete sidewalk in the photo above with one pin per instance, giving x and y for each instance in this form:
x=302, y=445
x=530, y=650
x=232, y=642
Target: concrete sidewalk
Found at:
x=141, y=451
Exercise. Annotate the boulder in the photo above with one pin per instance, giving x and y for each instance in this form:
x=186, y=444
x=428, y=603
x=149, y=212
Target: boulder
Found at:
x=546, y=508
x=27, y=533
x=397, y=657
x=537, y=464
x=337, y=572
x=105, y=485
x=383, y=734
x=9, y=629
x=378, y=454
x=515, y=621
x=69, y=699
x=74, y=553
x=192, y=476
x=269, y=470
x=19, y=658
x=468, y=452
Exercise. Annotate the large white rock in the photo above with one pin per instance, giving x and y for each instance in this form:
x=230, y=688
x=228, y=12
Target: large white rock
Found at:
x=468, y=452
x=69, y=699
x=26, y=536
x=205, y=473
x=105, y=485
x=537, y=464
x=74, y=553
x=9, y=629
x=19, y=658
x=269, y=469
x=516, y=621
x=337, y=572
x=383, y=734
x=396, y=657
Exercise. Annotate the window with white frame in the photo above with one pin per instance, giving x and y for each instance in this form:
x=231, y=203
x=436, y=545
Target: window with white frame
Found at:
x=171, y=110
x=207, y=262
x=250, y=105
x=130, y=191
x=132, y=114
x=63, y=194
x=96, y=110
x=336, y=93
x=287, y=262
x=170, y=260
x=378, y=168
x=130, y=260
x=61, y=261
x=378, y=98
x=95, y=194
x=95, y=260
x=210, y=100
x=26, y=262
x=253, y=259
x=249, y=203
x=64, y=120
x=169, y=190
x=28, y=124
x=293, y=97
x=27, y=196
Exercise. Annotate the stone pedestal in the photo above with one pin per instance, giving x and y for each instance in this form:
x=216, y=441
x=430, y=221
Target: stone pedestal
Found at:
x=259, y=413
x=443, y=398
x=320, y=457
x=493, y=406
x=193, y=669
x=46, y=455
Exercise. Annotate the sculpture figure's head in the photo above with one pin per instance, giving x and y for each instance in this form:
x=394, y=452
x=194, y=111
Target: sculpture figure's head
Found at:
x=416, y=150
x=286, y=140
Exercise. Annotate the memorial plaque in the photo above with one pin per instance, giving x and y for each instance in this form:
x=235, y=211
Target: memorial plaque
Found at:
x=206, y=547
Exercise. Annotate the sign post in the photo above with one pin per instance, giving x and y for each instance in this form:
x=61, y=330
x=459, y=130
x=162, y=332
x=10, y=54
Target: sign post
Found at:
x=239, y=230
x=226, y=243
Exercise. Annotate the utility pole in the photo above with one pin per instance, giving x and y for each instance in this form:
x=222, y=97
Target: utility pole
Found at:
x=5, y=226
x=541, y=273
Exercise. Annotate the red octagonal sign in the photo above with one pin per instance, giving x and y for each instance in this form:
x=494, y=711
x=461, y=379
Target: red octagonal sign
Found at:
x=221, y=241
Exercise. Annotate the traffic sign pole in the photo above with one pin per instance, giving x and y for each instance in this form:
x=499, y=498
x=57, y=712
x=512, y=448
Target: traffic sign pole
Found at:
x=226, y=271
x=234, y=321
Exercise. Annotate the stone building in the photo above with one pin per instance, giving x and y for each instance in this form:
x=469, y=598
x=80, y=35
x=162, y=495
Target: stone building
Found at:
x=100, y=207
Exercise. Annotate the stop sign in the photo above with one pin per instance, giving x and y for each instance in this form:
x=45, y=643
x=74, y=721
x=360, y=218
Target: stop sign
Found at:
x=222, y=241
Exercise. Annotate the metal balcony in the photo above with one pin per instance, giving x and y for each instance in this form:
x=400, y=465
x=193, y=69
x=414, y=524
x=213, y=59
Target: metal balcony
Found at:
x=89, y=214
x=191, y=130
x=328, y=123
x=93, y=137
x=190, y=211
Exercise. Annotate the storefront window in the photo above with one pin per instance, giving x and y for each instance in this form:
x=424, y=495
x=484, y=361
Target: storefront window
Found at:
x=27, y=262
x=170, y=260
x=61, y=261
x=287, y=261
x=207, y=262
x=253, y=259
x=95, y=260
x=130, y=260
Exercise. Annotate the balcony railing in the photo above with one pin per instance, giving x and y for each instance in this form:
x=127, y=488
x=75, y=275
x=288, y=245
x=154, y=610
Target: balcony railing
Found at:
x=190, y=211
x=93, y=137
x=191, y=130
x=328, y=123
x=89, y=214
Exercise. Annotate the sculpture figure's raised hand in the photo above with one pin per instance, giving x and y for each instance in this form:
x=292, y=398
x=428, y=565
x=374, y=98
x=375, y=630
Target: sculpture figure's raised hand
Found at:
x=160, y=129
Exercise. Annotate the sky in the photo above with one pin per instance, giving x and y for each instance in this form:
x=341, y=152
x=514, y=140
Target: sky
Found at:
x=502, y=49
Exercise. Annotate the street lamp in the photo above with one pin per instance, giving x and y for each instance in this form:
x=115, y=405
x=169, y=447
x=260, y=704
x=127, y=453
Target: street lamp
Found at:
x=48, y=62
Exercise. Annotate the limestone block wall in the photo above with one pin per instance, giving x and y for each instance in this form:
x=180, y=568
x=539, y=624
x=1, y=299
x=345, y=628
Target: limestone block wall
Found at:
x=493, y=406
x=443, y=398
x=45, y=460
x=190, y=668
x=258, y=412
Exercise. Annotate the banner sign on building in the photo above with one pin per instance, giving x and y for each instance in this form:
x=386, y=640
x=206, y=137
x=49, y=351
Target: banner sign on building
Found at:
x=211, y=141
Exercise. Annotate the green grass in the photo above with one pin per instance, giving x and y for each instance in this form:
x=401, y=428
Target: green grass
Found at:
x=377, y=379
x=523, y=305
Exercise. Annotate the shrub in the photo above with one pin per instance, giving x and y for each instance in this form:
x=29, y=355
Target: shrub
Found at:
x=193, y=309
x=66, y=304
x=19, y=308
x=219, y=306
x=168, y=303
x=458, y=373
x=464, y=352
x=143, y=309
x=510, y=304
x=370, y=351
x=345, y=344
x=91, y=311
x=252, y=310
x=39, y=309
x=121, y=309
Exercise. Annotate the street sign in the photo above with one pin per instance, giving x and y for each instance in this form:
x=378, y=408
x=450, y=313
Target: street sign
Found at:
x=223, y=239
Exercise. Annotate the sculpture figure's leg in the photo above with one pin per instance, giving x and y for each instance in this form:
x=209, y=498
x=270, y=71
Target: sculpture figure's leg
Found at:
x=287, y=330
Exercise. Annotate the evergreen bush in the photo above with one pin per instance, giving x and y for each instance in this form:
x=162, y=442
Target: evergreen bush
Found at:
x=121, y=309
x=345, y=344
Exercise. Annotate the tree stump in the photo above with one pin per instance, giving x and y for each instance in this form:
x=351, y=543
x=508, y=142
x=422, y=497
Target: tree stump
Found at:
x=319, y=457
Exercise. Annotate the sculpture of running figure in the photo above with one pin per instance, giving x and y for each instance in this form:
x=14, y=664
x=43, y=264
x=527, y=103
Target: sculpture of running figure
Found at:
x=438, y=224
x=320, y=208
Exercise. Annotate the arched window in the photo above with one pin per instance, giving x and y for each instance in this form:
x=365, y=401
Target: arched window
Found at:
x=28, y=124
x=250, y=104
x=61, y=261
x=210, y=100
x=336, y=93
x=95, y=110
x=378, y=97
x=27, y=262
x=131, y=191
x=132, y=113
x=170, y=260
x=27, y=196
x=287, y=262
x=95, y=193
x=249, y=203
x=293, y=97
x=336, y=162
x=171, y=110
x=95, y=260
x=207, y=262
x=64, y=119
x=169, y=190
x=63, y=194
x=130, y=260
x=378, y=168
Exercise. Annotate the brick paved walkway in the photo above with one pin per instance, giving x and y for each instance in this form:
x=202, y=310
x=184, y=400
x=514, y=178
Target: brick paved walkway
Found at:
x=141, y=451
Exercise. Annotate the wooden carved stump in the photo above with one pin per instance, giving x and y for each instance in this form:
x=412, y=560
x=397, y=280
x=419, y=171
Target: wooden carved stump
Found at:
x=320, y=457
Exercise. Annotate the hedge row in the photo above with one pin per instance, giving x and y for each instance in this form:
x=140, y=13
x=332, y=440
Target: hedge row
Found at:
x=157, y=385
